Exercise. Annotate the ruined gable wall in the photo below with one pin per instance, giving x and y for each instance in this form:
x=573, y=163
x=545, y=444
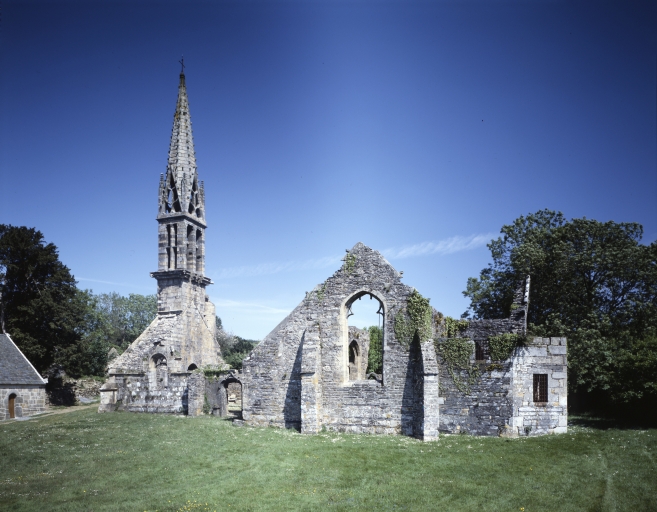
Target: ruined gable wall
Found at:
x=298, y=376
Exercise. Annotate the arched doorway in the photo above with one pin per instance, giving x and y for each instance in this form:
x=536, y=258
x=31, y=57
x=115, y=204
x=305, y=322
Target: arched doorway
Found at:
x=11, y=405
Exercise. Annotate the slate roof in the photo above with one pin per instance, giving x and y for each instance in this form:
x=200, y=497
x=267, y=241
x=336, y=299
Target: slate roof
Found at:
x=15, y=369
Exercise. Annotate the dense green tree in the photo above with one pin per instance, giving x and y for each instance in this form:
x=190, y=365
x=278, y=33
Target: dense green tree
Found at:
x=39, y=302
x=124, y=318
x=591, y=281
x=233, y=348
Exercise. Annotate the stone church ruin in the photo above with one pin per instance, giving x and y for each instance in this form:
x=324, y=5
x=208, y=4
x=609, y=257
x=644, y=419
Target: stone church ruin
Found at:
x=438, y=374
x=308, y=372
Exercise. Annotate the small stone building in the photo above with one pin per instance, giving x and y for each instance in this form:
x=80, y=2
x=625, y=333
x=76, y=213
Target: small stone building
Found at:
x=308, y=373
x=154, y=373
x=22, y=389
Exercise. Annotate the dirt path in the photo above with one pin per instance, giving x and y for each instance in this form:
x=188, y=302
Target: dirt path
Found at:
x=65, y=410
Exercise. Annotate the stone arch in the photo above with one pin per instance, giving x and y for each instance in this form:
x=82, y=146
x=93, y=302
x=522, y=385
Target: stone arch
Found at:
x=11, y=405
x=192, y=367
x=158, y=375
x=345, y=313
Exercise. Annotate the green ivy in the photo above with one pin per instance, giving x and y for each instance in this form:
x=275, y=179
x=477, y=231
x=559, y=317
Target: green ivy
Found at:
x=502, y=345
x=350, y=263
x=454, y=327
x=415, y=318
x=456, y=352
x=206, y=405
x=321, y=293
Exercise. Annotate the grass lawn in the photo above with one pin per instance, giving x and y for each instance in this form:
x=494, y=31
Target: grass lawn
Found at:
x=88, y=461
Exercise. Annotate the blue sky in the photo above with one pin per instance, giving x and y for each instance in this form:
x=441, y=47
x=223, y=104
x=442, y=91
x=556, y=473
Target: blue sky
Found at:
x=418, y=128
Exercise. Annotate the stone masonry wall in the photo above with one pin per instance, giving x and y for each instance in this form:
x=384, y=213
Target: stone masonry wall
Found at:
x=298, y=376
x=30, y=400
x=546, y=356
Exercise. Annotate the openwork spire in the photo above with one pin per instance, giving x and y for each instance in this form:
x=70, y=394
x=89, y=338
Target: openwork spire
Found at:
x=179, y=191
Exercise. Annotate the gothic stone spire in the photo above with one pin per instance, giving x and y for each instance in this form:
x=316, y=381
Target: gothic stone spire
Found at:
x=181, y=198
x=179, y=192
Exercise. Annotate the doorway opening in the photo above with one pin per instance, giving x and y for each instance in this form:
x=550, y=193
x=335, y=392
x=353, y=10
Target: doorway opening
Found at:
x=12, y=405
x=233, y=390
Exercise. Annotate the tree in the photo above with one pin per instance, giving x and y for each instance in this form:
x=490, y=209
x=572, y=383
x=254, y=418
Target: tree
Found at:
x=124, y=318
x=375, y=354
x=233, y=348
x=40, y=304
x=591, y=281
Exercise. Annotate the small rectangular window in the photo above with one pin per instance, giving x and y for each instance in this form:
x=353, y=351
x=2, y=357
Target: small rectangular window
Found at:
x=480, y=352
x=540, y=387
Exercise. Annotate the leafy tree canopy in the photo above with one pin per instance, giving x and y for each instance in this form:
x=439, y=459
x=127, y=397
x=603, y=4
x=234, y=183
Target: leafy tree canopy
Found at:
x=233, y=348
x=591, y=281
x=39, y=302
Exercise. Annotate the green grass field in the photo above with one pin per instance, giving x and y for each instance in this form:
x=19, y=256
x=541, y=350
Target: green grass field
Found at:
x=87, y=461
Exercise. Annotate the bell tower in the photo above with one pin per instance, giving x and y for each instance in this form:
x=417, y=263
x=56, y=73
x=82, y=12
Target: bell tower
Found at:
x=181, y=218
x=181, y=208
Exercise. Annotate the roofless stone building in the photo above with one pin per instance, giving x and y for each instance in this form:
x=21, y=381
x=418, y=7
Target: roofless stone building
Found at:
x=310, y=373
x=154, y=373
x=307, y=373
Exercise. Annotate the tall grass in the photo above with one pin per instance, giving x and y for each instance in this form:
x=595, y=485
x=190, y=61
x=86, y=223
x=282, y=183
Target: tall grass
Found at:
x=122, y=461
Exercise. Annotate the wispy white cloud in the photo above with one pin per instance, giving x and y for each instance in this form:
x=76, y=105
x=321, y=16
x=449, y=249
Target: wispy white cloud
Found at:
x=275, y=268
x=89, y=280
x=446, y=246
x=247, y=307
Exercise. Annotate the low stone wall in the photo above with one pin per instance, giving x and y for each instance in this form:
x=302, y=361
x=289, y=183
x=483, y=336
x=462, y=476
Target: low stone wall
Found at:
x=30, y=400
x=137, y=393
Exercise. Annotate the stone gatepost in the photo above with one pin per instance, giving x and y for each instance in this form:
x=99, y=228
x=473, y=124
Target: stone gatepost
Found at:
x=310, y=388
x=431, y=393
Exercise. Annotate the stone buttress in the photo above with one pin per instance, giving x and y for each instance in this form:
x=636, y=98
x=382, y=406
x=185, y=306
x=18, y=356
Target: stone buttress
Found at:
x=152, y=374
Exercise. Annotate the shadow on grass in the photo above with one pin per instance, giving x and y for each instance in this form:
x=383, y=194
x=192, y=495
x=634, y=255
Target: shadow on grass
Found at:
x=600, y=421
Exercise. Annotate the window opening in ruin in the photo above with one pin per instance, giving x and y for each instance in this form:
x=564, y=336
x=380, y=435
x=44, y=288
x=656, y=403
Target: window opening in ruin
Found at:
x=158, y=375
x=199, y=259
x=540, y=387
x=233, y=389
x=354, y=361
x=173, y=204
x=480, y=351
x=190, y=248
x=12, y=405
x=169, y=248
x=192, y=199
x=364, y=344
x=192, y=367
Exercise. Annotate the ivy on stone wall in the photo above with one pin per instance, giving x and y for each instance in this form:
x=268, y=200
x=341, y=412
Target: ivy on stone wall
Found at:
x=457, y=352
x=349, y=262
x=501, y=346
x=415, y=318
x=454, y=327
x=321, y=293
